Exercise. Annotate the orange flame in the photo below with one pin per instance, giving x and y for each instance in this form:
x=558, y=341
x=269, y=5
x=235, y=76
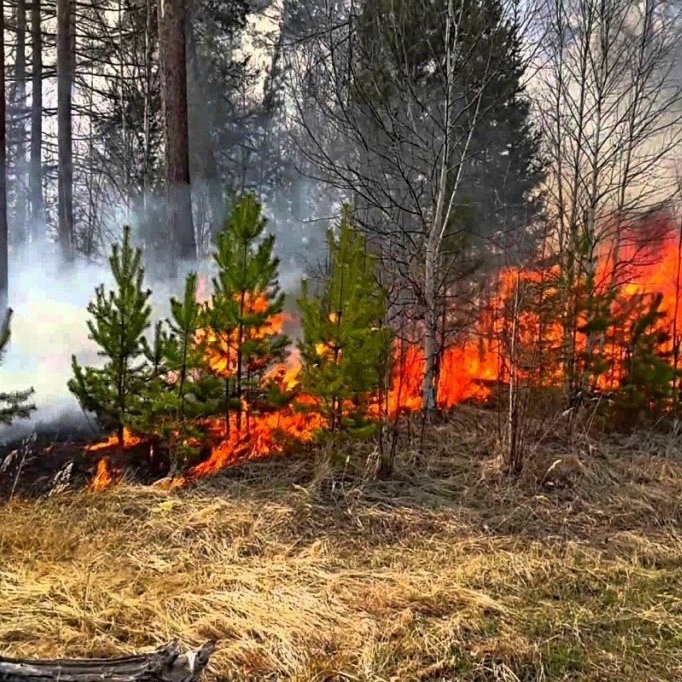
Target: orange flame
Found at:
x=103, y=477
x=222, y=349
x=470, y=365
x=129, y=441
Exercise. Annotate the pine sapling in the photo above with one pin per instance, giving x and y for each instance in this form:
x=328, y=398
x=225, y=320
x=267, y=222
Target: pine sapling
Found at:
x=119, y=319
x=175, y=397
x=244, y=317
x=344, y=346
x=649, y=376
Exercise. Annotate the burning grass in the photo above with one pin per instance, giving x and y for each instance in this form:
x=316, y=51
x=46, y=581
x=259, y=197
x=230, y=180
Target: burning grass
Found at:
x=444, y=573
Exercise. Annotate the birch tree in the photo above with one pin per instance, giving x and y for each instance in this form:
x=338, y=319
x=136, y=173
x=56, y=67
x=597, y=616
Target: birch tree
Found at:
x=409, y=100
x=609, y=99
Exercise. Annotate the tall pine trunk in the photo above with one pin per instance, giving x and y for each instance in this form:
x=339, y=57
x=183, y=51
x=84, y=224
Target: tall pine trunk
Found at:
x=65, y=68
x=4, y=255
x=172, y=48
x=202, y=149
x=19, y=102
x=35, y=179
x=149, y=42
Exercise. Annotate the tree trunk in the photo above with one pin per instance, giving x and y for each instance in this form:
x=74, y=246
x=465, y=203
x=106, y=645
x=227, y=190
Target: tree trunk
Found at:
x=4, y=254
x=164, y=665
x=65, y=68
x=172, y=20
x=35, y=180
x=149, y=42
x=514, y=455
x=19, y=102
x=202, y=150
x=430, y=331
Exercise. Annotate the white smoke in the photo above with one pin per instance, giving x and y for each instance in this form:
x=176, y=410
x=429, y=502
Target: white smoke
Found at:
x=48, y=326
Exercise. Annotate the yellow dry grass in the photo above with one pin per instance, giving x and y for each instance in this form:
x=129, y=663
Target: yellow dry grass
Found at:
x=445, y=573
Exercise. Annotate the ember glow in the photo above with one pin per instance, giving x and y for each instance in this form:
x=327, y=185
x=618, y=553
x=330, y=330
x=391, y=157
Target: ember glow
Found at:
x=471, y=366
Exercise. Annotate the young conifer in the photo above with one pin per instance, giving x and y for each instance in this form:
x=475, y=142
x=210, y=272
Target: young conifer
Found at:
x=15, y=403
x=179, y=391
x=244, y=314
x=344, y=346
x=649, y=376
x=118, y=321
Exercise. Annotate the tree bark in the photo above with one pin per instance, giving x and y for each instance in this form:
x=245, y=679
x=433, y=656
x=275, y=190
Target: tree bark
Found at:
x=172, y=48
x=202, y=150
x=65, y=68
x=430, y=331
x=19, y=102
x=165, y=665
x=4, y=237
x=35, y=180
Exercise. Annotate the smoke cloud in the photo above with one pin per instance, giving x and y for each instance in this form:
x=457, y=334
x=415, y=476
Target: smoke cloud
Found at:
x=49, y=324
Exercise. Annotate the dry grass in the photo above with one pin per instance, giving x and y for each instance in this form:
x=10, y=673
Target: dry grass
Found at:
x=447, y=574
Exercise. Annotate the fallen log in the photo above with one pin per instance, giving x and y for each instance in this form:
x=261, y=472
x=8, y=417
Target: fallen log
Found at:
x=167, y=664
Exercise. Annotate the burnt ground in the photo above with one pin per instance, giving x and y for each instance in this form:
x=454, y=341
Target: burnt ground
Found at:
x=37, y=459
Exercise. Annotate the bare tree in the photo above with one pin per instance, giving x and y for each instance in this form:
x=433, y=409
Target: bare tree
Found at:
x=37, y=210
x=404, y=97
x=19, y=124
x=610, y=102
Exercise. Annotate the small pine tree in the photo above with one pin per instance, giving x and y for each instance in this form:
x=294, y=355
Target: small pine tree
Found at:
x=16, y=405
x=244, y=316
x=175, y=396
x=648, y=376
x=344, y=346
x=119, y=320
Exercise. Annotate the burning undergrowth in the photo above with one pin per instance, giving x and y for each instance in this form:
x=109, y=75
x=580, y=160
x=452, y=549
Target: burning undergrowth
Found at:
x=223, y=383
x=57, y=455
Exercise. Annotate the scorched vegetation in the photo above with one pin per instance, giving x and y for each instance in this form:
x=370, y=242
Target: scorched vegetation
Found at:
x=219, y=381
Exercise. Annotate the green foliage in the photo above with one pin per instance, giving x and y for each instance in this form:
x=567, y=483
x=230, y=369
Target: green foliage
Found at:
x=15, y=403
x=245, y=339
x=648, y=373
x=344, y=349
x=179, y=390
x=596, y=322
x=398, y=42
x=118, y=321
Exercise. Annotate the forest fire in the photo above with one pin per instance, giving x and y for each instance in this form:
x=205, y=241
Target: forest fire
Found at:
x=222, y=349
x=268, y=433
x=522, y=303
x=263, y=435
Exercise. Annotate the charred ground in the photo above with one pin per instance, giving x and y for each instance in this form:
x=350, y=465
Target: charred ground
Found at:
x=39, y=459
